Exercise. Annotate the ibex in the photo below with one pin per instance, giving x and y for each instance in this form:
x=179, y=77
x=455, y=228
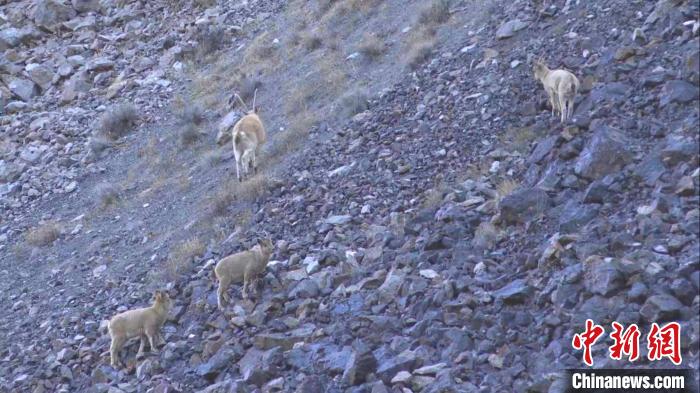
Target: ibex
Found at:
x=244, y=266
x=561, y=87
x=248, y=137
x=144, y=323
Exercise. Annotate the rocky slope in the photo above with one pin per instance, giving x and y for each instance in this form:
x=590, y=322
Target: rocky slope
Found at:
x=451, y=238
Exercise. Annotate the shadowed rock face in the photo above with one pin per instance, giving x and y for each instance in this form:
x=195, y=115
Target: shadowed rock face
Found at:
x=437, y=228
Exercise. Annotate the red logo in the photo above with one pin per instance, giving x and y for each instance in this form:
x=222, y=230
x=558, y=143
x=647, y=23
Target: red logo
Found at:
x=665, y=342
x=626, y=343
x=662, y=342
x=586, y=339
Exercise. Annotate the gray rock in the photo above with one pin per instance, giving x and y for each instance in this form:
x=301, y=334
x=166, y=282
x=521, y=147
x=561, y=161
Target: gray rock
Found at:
x=517, y=291
x=678, y=150
x=508, y=29
x=359, y=366
x=258, y=367
x=217, y=363
x=574, y=216
x=10, y=171
x=338, y=220
x=99, y=64
x=524, y=205
x=75, y=85
x=284, y=340
x=602, y=276
x=405, y=361
x=312, y=384
x=607, y=152
x=660, y=308
x=23, y=88
x=305, y=289
x=144, y=369
x=13, y=37
x=225, y=386
x=225, y=126
x=86, y=5
x=31, y=153
x=48, y=13
x=678, y=91
x=650, y=168
x=40, y=74
x=599, y=191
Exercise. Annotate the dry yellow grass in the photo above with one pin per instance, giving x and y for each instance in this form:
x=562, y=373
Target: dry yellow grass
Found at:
x=371, y=46
x=506, y=187
x=182, y=256
x=44, y=234
x=485, y=236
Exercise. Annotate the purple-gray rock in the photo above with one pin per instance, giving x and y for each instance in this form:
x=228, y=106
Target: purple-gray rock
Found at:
x=659, y=308
x=607, y=152
x=524, y=205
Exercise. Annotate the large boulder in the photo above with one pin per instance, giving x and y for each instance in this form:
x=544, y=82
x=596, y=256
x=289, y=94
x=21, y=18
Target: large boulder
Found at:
x=86, y=5
x=678, y=91
x=23, y=88
x=607, y=152
x=40, y=74
x=523, y=205
x=225, y=126
x=48, y=13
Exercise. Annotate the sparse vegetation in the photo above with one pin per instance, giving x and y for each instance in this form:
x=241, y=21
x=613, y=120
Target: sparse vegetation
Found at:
x=182, y=256
x=371, y=46
x=191, y=114
x=419, y=51
x=118, y=121
x=506, y=187
x=290, y=139
x=485, y=236
x=436, y=13
x=232, y=190
x=434, y=196
x=99, y=143
x=353, y=102
x=246, y=87
x=209, y=40
x=520, y=138
x=189, y=134
x=212, y=157
x=107, y=194
x=312, y=41
x=44, y=234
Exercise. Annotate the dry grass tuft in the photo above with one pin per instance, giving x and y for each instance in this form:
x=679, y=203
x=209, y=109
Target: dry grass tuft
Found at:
x=290, y=139
x=436, y=13
x=107, y=194
x=191, y=114
x=209, y=40
x=419, y=51
x=118, y=121
x=44, y=234
x=182, y=256
x=261, y=54
x=248, y=190
x=506, y=187
x=353, y=102
x=522, y=138
x=434, y=196
x=99, y=143
x=485, y=236
x=371, y=46
x=312, y=41
x=211, y=158
x=189, y=134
